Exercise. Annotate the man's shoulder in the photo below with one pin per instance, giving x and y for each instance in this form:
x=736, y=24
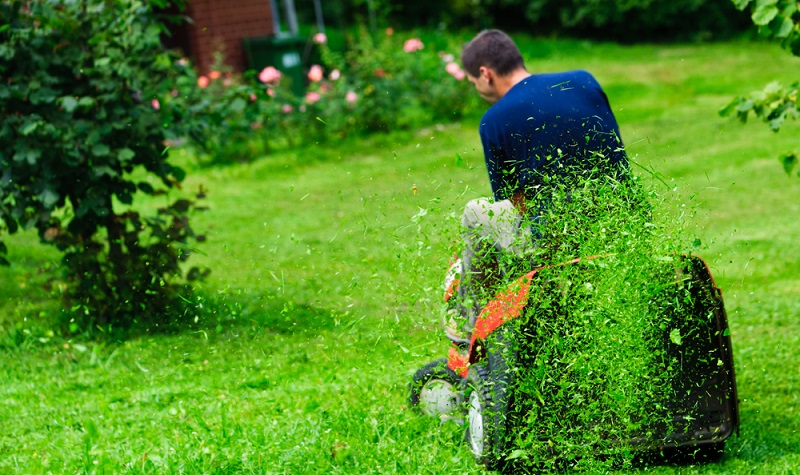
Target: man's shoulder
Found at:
x=576, y=76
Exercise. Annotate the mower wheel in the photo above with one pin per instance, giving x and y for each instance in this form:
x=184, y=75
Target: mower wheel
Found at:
x=434, y=390
x=489, y=401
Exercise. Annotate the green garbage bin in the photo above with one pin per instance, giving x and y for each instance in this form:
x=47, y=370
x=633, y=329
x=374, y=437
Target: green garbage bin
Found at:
x=283, y=52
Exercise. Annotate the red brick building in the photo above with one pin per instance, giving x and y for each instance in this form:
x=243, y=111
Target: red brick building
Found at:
x=220, y=25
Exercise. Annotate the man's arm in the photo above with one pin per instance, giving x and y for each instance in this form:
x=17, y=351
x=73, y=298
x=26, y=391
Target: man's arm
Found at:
x=502, y=178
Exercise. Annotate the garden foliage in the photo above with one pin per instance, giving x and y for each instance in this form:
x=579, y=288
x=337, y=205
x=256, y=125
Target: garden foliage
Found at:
x=381, y=82
x=84, y=124
x=630, y=20
x=778, y=20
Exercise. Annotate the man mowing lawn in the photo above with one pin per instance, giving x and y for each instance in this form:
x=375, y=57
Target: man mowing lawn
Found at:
x=540, y=132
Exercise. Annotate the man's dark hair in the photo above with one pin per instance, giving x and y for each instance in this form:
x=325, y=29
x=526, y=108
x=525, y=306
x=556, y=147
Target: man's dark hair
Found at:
x=494, y=49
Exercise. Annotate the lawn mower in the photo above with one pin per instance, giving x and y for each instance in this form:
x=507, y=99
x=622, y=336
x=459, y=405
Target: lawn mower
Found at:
x=476, y=384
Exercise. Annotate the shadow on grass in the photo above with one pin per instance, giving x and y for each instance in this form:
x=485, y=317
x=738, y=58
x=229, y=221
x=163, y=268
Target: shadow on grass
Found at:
x=268, y=312
x=207, y=312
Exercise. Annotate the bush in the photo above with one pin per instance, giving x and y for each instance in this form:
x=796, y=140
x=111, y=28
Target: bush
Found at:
x=84, y=123
x=629, y=20
x=377, y=85
x=639, y=19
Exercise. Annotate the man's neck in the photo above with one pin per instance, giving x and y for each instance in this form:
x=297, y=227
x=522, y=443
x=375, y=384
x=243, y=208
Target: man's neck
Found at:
x=505, y=83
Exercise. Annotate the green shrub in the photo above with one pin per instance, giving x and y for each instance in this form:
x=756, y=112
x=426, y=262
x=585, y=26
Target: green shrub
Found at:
x=629, y=20
x=376, y=85
x=400, y=81
x=85, y=115
x=639, y=19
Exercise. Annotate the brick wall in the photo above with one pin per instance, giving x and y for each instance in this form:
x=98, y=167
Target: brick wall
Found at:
x=221, y=24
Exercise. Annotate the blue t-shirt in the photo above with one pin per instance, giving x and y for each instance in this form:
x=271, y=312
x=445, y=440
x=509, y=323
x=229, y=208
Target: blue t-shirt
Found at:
x=545, y=126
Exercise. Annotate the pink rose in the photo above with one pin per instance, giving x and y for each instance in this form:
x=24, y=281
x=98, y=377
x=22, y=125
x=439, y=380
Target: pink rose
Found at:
x=202, y=82
x=320, y=38
x=335, y=75
x=156, y=105
x=413, y=44
x=287, y=109
x=312, y=97
x=252, y=97
x=351, y=97
x=270, y=92
x=214, y=75
x=447, y=58
x=452, y=68
x=460, y=75
x=315, y=73
x=389, y=31
x=269, y=75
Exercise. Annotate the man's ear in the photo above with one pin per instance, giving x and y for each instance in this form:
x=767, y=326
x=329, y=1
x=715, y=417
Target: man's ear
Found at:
x=486, y=73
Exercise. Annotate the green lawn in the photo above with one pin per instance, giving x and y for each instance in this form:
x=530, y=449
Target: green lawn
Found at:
x=324, y=294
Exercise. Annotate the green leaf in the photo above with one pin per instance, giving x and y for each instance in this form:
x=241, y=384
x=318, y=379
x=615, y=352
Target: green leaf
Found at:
x=238, y=105
x=789, y=161
x=776, y=123
x=68, y=103
x=773, y=89
x=146, y=187
x=729, y=108
x=517, y=454
x=675, y=336
x=48, y=198
x=86, y=101
x=764, y=14
x=30, y=155
x=744, y=105
x=125, y=154
x=741, y=4
x=104, y=170
x=100, y=150
x=783, y=27
x=28, y=128
x=42, y=95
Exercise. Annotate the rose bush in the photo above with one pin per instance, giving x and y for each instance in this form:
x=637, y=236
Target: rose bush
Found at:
x=86, y=106
x=378, y=84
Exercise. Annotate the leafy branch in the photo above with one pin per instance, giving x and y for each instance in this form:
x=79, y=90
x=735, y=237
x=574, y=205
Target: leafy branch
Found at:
x=778, y=20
